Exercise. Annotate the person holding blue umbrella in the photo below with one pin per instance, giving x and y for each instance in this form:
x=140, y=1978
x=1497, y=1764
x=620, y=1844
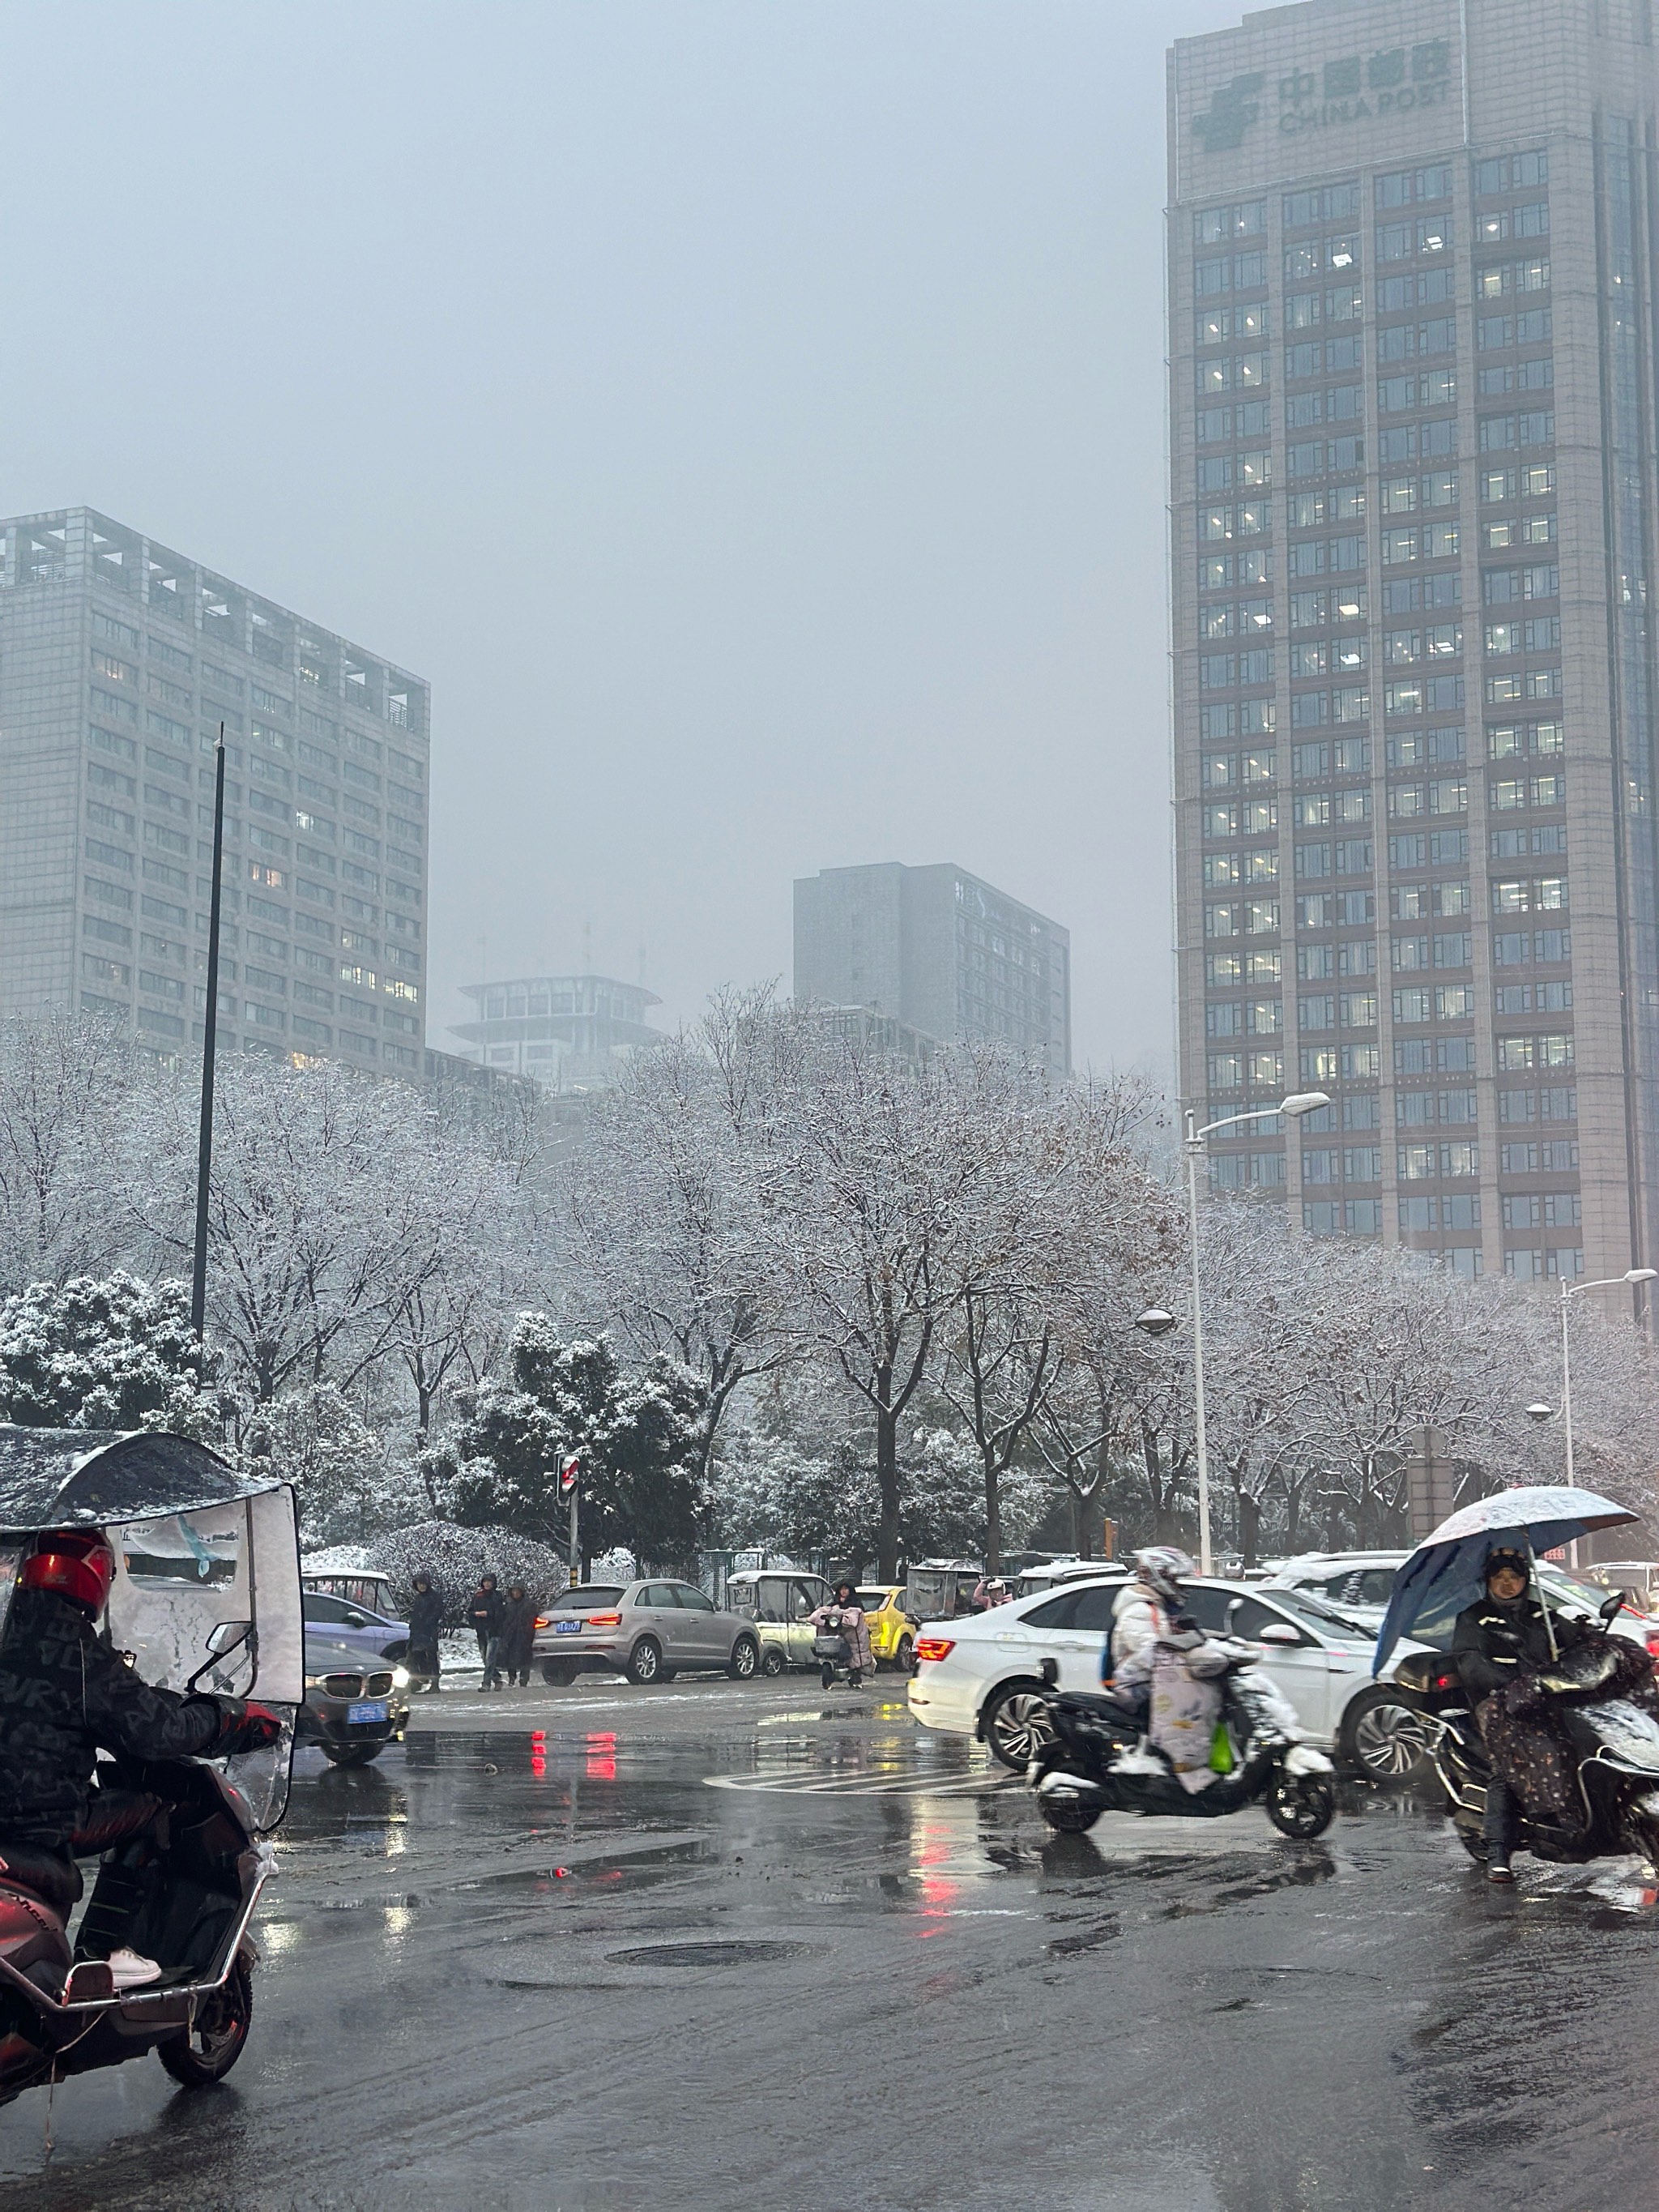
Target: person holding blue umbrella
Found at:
x=1480, y=1566
x=1502, y=1644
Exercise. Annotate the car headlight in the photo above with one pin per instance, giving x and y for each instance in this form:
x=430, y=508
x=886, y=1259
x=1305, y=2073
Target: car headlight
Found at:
x=400, y=1678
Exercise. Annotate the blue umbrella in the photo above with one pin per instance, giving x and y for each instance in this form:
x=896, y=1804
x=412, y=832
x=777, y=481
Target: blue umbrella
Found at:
x=1444, y=1573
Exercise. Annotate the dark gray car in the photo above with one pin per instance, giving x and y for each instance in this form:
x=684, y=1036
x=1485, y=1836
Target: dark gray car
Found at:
x=648, y=1630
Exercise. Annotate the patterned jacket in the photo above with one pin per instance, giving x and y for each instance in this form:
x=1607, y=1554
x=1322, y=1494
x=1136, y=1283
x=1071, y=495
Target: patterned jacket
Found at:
x=63, y=1696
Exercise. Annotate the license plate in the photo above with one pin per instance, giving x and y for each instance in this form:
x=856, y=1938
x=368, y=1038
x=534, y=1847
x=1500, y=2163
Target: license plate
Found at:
x=567, y=1628
x=374, y=1709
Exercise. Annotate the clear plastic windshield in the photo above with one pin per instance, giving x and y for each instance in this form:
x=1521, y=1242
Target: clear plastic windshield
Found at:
x=210, y=1600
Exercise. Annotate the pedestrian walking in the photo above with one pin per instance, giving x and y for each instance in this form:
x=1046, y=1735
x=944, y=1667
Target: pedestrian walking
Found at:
x=425, y=1620
x=510, y=1653
x=484, y=1612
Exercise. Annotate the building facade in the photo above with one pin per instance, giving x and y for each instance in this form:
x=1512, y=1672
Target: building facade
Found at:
x=119, y=660
x=1413, y=504
x=939, y=951
x=569, y=1033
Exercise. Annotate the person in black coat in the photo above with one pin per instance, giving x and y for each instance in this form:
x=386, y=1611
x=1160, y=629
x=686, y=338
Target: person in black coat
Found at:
x=511, y=1653
x=1501, y=1645
x=426, y=1621
x=484, y=1613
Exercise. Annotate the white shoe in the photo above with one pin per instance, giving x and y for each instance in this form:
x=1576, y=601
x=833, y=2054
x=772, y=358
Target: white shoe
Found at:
x=131, y=1971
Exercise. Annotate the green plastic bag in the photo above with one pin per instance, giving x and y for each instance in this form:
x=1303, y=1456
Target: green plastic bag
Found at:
x=1221, y=1751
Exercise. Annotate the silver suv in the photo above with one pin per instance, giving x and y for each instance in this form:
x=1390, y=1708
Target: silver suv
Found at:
x=648, y=1630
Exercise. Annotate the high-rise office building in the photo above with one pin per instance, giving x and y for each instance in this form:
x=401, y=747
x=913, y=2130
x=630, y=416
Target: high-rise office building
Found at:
x=119, y=662
x=1412, y=257
x=937, y=951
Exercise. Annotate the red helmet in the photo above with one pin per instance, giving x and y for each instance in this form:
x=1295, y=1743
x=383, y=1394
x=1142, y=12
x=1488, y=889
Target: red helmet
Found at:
x=72, y=1562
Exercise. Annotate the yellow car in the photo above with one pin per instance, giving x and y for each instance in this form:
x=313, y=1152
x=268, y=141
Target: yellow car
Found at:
x=893, y=1632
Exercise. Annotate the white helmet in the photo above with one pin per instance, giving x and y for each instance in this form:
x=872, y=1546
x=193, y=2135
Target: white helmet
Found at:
x=1164, y=1568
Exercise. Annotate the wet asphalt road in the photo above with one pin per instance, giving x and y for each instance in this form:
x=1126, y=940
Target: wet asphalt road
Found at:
x=724, y=1946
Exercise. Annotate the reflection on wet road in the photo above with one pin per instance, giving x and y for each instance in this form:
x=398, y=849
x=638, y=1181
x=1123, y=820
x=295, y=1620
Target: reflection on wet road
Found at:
x=717, y=1945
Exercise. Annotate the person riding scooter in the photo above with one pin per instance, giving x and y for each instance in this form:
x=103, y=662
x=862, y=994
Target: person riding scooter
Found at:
x=1503, y=1644
x=64, y=1695
x=1165, y=1671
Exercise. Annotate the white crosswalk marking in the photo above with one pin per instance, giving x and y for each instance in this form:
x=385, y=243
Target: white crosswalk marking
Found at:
x=862, y=1786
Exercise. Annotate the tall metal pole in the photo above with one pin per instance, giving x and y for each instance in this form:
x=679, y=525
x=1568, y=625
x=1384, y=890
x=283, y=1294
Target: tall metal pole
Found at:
x=1566, y=1384
x=209, y=1048
x=575, y=1544
x=1194, y=1147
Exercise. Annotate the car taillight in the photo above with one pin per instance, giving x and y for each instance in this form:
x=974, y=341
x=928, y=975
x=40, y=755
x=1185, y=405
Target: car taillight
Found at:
x=935, y=1647
x=543, y=1620
x=605, y=1620
x=1653, y=1642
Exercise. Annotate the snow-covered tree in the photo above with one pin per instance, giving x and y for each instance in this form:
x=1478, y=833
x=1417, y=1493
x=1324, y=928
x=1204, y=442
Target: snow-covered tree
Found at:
x=635, y=1434
x=102, y=1354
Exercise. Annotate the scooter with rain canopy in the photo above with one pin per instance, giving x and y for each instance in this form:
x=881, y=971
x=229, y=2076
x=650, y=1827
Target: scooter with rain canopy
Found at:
x=1609, y=1719
x=205, y=1596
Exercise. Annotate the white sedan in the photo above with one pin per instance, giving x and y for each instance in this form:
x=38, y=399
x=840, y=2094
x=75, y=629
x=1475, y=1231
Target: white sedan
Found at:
x=982, y=1676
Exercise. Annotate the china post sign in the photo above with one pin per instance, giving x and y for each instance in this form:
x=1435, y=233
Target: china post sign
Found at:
x=1392, y=82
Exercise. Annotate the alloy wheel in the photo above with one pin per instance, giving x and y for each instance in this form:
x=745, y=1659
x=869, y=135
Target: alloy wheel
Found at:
x=1018, y=1728
x=1390, y=1742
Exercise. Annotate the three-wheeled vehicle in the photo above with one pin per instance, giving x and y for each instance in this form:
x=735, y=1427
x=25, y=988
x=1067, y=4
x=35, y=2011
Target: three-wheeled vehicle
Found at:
x=206, y=1595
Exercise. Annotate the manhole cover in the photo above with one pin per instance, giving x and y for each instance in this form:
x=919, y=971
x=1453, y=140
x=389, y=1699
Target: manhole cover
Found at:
x=729, y=1954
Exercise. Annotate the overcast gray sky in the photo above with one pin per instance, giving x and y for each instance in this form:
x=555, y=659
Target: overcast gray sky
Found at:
x=747, y=413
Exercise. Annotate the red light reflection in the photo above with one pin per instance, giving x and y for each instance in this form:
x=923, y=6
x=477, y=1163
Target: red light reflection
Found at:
x=602, y=1758
x=538, y=1752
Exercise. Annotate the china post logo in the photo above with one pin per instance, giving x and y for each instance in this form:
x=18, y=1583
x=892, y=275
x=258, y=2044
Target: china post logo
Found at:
x=1233, y=108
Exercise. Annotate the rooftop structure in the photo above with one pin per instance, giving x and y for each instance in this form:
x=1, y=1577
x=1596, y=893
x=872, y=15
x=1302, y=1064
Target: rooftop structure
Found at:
x=568, y=1032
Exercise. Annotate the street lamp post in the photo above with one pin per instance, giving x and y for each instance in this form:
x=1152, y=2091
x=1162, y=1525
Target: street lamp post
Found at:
x=1300, y=1102
x=1570, y=1290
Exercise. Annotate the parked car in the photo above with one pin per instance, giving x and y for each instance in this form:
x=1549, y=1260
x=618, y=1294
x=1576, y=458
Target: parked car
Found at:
x=982, y=1676
x=353, y=1705
x=892, y=1630
x=778, y=1604
x=648, y=1630
x=370, y=1635
x=368, y=1587
x=1053, y=1573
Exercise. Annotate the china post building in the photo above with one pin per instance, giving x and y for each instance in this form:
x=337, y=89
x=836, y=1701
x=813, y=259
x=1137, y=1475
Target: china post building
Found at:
x=1411, y=267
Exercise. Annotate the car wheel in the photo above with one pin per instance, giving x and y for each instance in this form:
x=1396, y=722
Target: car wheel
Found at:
x=1015, y=1724
x=212, y=2042
x=644, y=1661
x=745, y=1660
x=1068, y=1816
x=558, y=1674
x=771, y=1660
x=906, y=1655
x=352, y=1754
x=1383, y=1737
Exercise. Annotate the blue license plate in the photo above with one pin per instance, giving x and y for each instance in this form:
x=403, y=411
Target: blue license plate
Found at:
x=375, y=1709
x=567, y=1627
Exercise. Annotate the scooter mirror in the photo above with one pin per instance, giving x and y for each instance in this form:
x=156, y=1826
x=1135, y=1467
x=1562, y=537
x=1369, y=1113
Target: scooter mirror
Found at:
x=1610, y=1606
x=226, y=1635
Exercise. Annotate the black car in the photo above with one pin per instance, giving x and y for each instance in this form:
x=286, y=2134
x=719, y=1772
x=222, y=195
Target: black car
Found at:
x=355, y=1703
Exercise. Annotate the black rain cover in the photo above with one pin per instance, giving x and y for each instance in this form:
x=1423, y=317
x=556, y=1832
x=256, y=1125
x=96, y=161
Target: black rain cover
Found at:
x=86, y=1478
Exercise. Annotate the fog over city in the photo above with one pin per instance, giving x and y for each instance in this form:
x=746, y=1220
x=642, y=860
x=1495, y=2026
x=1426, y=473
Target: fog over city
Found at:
x=750, y=419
